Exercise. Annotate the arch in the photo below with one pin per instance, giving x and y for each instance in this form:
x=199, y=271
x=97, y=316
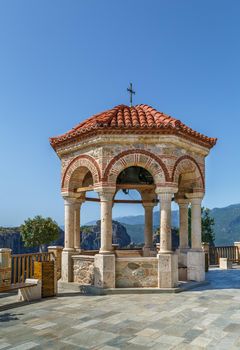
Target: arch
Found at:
x=136, y=157
x=85, y=162
x=185, y=169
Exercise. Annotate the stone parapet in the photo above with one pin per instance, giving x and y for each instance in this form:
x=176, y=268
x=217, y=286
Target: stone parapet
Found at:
x=104, y=270
x=196, y=266
x=67, y=265
x=83, y=269
x=167, y=270
x=136, y=272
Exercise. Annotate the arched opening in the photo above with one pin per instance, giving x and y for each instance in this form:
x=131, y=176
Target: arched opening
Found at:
x=81, y=177
x=135, y=189
x=135, y=175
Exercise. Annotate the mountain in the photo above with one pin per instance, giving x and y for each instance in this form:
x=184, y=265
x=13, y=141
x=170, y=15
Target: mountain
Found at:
x=226, y=228
x=227, y=224
x=90, y=238
x=10, y=237
x=91, y=235
x=139, y=219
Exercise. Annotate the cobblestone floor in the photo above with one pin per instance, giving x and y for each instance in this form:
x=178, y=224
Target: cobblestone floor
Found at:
x=206, y=318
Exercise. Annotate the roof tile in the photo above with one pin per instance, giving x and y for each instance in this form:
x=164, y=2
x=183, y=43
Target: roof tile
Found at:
x=132, y=118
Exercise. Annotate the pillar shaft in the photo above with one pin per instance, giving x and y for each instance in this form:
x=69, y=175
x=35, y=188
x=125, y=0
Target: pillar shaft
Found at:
x=77, y=208
x=148, y=228
x=69, y=224
x=183, y=223
x=196, y=224
x=165, y=222
x=106, y=222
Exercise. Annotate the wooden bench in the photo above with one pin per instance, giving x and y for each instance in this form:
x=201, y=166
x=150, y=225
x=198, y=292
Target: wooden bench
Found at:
x=29, y=290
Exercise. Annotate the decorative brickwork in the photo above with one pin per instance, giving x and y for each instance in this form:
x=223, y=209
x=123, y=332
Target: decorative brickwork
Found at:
x=188, y=165
x=137, y=157
x=72, y=171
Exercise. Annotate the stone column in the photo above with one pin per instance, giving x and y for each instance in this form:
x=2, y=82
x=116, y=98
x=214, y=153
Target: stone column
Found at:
x=68, y=251
x=165, y=222
x=104, y=262
x=167, y=259
x=183, y=223
x=148, y=228
x=106, y=200
x=183, y=231
x=196, y=224
x=69, y=205
x=77, y=208
x=196, y=256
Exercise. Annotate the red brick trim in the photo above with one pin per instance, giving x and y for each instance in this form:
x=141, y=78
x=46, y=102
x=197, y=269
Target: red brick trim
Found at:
x=136, y=151
x=71, y=164
x=191, y=159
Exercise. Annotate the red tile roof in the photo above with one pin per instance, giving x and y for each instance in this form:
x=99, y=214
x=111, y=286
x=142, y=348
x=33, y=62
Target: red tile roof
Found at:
x=136, y=119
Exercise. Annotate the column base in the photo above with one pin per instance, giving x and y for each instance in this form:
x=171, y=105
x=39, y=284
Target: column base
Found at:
x=67, y=264
x=196, y=266
x=104, y=270
x=182, y=255
x=106, y=252
x=78, y=250
x=167, y=270
x=146, y=251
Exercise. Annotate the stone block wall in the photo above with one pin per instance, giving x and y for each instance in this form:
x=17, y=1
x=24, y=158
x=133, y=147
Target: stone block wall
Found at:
x=136, y=272
x=83, y=269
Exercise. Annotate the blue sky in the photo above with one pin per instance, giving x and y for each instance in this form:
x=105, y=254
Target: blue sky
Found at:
x=62, y=61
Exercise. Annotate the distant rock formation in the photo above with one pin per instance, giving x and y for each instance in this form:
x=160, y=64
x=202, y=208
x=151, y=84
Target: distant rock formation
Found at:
x=90, y=238
x=175, y=238
x=91, y=235
x=10, y=237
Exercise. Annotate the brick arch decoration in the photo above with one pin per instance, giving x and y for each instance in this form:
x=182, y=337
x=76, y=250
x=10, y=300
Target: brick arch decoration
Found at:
x=186, y=164
x=85, y=161
x=136, y=157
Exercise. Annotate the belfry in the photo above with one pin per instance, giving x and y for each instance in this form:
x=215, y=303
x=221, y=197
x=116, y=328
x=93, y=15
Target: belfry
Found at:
x=140, y=148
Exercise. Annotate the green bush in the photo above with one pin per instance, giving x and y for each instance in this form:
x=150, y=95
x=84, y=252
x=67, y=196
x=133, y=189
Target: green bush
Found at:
x=39, y=231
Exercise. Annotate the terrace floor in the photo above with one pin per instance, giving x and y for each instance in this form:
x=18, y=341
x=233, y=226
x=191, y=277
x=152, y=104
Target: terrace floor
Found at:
x=204, y=318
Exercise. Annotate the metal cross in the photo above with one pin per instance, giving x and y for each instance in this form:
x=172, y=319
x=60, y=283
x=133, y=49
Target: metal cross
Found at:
x=131, y=92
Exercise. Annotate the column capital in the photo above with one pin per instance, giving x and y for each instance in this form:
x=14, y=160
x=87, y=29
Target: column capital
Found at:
x=165, y=197
x=148, y=204
x=166, y=190
x=73, y=201
x=106, y=195
x=182, y=202
x=195, y=195
x=195, y=198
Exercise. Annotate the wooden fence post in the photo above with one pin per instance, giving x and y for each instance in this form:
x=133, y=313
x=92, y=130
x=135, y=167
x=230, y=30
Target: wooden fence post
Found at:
x=237, y=244
x=57, y=251
x=205, y=248
x=5, y=268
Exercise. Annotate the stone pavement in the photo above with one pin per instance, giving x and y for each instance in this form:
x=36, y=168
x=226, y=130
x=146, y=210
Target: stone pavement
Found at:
x=206, y=318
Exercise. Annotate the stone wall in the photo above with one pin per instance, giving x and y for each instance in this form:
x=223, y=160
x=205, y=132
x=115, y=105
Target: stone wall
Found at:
x=136, y=272
x=83, y=269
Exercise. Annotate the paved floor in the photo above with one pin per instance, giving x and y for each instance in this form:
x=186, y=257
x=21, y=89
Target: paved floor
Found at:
x=207, y=318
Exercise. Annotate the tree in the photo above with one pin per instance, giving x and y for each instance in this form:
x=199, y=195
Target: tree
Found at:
x=39, y=231
x=208, y=235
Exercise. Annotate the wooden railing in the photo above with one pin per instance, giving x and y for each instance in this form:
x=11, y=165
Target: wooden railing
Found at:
x=229, y=252
x=23, y=265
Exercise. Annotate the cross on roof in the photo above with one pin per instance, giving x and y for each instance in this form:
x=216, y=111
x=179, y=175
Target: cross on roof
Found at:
x=131, y=92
